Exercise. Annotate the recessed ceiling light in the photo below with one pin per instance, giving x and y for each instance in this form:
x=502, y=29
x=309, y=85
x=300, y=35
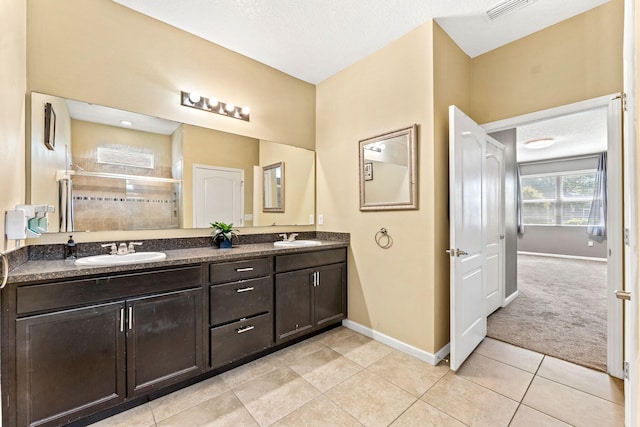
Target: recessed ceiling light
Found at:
x=536, y=144
x=126, y=123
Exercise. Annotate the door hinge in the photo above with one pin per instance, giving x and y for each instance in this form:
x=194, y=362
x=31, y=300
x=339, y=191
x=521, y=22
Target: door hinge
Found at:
x=623, y=97
x=626, y=370
x=626, y=236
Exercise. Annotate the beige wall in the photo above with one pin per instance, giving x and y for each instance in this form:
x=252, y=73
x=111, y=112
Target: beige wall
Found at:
x=390, y=291
x=12, y=108
x=99, y=51
x=575, y=60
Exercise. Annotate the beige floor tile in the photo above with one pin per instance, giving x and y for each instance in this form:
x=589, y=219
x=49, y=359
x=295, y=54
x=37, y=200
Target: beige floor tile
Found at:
x=325, y=368
x=408, y=373
x=527, y=417
x=275, y=395
x=521, y=358
x=140, y=416
x=421, y=414
x=470, y=403
x=334, y=335
x=290, y=354
x=584, y=379
x=178, y=401
x=223, y=410
x=370, y=399
x=572, y=406
x=251, y=370
x=497, y=376
x=320, y=412
x=362, y=350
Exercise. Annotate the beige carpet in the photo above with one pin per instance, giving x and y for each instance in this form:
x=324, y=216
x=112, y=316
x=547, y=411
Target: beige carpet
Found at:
x=561, y=310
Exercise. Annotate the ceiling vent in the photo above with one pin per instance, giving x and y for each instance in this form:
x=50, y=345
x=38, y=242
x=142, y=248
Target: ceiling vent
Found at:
x=506, y=7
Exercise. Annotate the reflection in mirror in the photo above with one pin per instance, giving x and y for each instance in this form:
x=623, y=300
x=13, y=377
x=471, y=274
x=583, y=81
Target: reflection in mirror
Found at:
x=388, y=171
x=125, y=177
x=273, y=188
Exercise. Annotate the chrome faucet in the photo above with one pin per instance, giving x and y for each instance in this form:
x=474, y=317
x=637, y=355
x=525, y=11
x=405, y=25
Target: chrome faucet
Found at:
x=112, y=247
x=122, y=249
x=292, y=237
x=132, y=246
x=284, y=236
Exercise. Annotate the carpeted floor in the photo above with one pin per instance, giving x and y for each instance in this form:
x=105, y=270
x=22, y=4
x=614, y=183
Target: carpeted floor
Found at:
x=561, y=310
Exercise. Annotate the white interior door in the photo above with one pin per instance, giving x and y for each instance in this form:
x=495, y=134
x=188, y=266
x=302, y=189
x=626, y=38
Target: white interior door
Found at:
x=467, y=150
x=218, y=195
x=495, y=231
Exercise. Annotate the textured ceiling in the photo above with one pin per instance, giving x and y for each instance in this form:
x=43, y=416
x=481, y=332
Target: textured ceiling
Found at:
x=314, y=39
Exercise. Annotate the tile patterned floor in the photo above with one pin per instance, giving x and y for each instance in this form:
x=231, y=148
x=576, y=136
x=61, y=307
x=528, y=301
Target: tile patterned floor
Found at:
x=341, y=378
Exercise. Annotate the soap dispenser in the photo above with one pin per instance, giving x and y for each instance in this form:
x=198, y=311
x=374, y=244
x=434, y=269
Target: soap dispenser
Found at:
x=71, y=251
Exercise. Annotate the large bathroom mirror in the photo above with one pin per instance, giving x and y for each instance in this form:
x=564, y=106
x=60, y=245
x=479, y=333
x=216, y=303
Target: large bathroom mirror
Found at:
x=273, y=188
x=388, y=171
x=116, y=170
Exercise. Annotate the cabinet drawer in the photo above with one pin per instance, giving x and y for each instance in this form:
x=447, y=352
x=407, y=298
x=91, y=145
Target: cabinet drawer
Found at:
x=49, y=296
x=239, y=270
x=233, y=301
x=237, y=340
x=310, y=259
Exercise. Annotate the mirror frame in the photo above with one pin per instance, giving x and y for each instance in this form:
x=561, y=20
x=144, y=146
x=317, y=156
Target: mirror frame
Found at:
x=411, y=133
x=265, y=169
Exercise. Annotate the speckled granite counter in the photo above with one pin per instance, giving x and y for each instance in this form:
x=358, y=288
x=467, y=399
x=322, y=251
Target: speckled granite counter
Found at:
x=42, y=270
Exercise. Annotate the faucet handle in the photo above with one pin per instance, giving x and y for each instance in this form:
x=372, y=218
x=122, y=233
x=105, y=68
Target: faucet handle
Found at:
x=112, y=246
x=283, y=235
x=131, y=246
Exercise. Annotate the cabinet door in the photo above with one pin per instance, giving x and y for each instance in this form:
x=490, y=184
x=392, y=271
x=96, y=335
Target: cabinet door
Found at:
x=164, y=340
x=294, y=310
x=69, y=364
x=330, y=295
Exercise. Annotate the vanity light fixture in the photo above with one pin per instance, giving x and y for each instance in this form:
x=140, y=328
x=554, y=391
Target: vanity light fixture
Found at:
x=213, y=105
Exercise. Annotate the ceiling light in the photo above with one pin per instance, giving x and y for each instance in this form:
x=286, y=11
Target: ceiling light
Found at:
x=536, y=144
x=126, y=123
x=506, y=7
x=194, y=98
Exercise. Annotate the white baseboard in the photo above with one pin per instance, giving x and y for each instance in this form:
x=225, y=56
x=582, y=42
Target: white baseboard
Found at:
x=510, y=298
x=586, y=258
x=425, y=356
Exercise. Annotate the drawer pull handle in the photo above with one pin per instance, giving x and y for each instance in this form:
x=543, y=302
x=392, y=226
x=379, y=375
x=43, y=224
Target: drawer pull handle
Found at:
x=122, y=320
x=130, y=317
x=245, y=329
x=249, y=289
x=241, y=270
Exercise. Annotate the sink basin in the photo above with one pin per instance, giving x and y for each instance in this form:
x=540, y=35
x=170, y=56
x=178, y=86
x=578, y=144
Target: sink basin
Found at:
x=134, y=258
x=296, y=243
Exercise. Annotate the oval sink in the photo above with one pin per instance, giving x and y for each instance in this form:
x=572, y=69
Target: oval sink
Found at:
x=134, y=258
x=296, y=243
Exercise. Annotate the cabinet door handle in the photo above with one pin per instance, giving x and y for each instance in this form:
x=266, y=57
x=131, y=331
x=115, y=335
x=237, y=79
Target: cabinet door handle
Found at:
x=317, y=278
x=240, y=270
x=130, y=317
x=122, y=320
x=249, y=289
x=245, y=329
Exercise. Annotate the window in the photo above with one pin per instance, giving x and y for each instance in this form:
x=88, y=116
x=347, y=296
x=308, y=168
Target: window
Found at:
x=557, y=199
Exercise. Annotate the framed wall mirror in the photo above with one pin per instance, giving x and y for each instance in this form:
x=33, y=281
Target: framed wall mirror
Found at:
x=273, y=187
x=388, y=171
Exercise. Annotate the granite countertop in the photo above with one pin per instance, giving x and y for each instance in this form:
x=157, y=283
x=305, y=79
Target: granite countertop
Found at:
x=32, y=271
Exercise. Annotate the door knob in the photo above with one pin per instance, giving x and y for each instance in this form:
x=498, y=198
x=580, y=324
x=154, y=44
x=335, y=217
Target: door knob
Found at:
x=455, y=252
x=623, y=295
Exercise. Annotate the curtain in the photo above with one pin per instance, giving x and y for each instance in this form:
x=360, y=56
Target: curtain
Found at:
x=520, y=223
x=66, y=204
x=597, y=224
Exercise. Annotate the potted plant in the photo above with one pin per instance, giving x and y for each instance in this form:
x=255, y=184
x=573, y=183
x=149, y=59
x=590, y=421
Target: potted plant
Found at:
x=222, y=234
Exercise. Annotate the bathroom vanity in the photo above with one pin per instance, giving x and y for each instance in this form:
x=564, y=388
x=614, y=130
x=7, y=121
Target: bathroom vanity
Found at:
x=78, y=341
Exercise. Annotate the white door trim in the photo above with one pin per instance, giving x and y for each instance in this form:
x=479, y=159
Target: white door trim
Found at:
x=614, y=211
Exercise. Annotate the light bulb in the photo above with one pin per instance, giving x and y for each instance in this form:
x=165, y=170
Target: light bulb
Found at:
x=230, y=107
x=126, y=123
x=194, y=97
x=213, y=102
x=246, y=110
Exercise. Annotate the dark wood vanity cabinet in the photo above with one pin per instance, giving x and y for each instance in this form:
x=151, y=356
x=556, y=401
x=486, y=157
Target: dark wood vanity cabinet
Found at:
x=240, y=309
x=75, y=361
x=311, y=296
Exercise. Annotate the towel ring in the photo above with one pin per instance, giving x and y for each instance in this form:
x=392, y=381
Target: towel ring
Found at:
x=383, y=239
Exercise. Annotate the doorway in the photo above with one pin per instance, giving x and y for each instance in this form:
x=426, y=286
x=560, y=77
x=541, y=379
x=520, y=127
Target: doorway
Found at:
x=560, y=170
